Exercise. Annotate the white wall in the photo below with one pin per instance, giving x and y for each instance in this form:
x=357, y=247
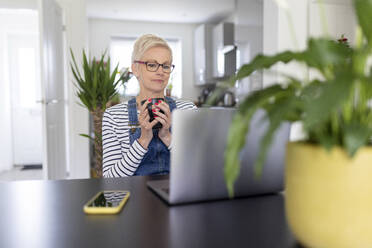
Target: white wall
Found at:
x=249, y=13
x=100, y=31
x=78, y=117
x=306, y=23
x=251, y=35
x=249, y=39
x=340, y=19
x=24, y=4
x=278, y=36
x=10, y=23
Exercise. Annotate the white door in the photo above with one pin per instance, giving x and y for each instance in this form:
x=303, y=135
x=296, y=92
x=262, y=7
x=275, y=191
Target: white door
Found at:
x=24, y=66
x=53, y=88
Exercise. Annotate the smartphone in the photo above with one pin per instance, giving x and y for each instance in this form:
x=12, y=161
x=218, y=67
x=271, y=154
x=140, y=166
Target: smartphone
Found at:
x=107, y=202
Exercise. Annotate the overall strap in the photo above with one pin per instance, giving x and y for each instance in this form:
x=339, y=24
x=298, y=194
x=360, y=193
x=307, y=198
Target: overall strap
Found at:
x=171, y=103
x=132, y=112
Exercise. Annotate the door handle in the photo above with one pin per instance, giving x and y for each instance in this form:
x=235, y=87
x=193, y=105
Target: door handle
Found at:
x=53, y=101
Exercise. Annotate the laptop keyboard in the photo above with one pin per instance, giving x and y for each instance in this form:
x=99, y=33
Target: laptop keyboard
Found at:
x=166, y=190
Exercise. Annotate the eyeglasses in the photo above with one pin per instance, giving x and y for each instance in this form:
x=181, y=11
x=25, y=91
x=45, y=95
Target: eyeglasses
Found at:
x=154, y=66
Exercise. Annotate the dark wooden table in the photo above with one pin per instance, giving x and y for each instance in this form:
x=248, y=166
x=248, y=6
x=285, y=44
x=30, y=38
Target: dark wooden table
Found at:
x=50, y=214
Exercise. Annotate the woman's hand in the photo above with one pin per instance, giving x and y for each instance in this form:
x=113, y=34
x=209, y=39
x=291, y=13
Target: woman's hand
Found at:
x=146, y=126
x=165, y=119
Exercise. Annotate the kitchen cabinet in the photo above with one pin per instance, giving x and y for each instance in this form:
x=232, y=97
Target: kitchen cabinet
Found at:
x=203, y=54
x=224, y=50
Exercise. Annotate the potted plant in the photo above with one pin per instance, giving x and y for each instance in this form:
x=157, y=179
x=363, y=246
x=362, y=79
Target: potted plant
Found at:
x=168, y=90
x=95, y=89
x=328, y=185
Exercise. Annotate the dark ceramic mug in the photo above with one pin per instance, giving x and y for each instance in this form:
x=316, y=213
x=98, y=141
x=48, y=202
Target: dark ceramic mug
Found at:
x=151, y=114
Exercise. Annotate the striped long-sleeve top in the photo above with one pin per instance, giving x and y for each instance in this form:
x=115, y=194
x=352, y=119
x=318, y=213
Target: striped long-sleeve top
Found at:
x=120, y=158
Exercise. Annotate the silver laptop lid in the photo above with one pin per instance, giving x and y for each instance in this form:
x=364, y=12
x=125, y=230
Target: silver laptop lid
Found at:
x=197, y=157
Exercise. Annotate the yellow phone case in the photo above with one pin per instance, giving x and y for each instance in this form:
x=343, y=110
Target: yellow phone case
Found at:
x=106, y=210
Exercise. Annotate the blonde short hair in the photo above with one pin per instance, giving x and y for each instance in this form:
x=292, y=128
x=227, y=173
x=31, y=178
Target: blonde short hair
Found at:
x=145, y=42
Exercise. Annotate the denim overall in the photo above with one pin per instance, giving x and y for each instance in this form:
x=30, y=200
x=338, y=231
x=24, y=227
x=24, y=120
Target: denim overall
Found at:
x=156, y=160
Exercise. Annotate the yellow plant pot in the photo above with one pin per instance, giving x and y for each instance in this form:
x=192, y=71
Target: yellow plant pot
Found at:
x=328, y=196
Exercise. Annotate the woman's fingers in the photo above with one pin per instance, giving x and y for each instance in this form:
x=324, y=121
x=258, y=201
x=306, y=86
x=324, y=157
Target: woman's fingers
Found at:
x=153, y=123
x=144, y=106
x=163, y=106
x=144, y=116
x=163, y=119
x=145, y=124
x=159, y=116
x=167, y=116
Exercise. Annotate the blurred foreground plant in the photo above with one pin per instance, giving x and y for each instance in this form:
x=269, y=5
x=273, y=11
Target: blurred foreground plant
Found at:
x=334, y=109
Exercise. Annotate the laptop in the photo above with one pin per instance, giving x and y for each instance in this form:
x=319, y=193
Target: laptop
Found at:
x=197, y=158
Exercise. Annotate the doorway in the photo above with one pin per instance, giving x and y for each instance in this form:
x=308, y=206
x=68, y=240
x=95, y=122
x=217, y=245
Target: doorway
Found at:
x=21, y=87
x=32, y=74
x=25, y=95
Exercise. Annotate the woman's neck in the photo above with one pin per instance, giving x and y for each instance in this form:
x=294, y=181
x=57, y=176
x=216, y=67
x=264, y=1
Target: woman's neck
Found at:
x=146, y=95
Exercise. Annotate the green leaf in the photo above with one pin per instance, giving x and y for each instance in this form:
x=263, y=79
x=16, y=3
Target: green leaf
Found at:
x=356, y=136
x=322, y=53
x=238, y=130
x=236, y=140
x=363, y=10
x=264, y=147
x=75, y=73
x=276, y=115
x=262, y=62
x=321, y=134
x=98, y=85
x=331, y=96
x=76, y=67
x=259, y=98
x=86, y=136
x=86, y=69
x=84, y=99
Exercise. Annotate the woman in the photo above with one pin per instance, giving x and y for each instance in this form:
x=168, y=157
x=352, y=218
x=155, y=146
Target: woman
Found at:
x=132, y=145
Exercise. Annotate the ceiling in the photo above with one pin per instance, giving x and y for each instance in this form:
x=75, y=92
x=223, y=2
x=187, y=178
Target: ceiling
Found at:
x=173, y=11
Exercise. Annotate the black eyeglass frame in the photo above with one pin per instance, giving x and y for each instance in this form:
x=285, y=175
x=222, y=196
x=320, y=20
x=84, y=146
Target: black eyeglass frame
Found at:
x=162, y=66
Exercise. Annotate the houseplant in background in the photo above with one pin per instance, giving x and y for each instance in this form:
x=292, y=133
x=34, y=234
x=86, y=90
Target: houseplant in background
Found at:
x=168, y=90
x=96, y=88
x=328, y=175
